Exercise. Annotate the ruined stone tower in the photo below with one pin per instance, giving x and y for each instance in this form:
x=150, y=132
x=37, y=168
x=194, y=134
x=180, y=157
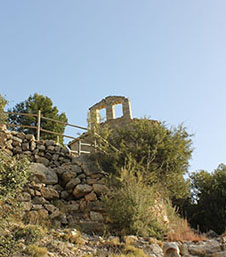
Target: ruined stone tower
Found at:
x=109, y=104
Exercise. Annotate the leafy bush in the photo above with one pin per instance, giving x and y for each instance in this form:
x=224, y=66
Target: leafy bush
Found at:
x=13, y=175
x=129, y=205
x=208, y=203
x=160, y=153
x=8, y=245
x=30, y=233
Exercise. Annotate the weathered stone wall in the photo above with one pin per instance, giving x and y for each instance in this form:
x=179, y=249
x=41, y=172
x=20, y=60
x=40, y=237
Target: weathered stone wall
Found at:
x=64, y=188
x=109, y=103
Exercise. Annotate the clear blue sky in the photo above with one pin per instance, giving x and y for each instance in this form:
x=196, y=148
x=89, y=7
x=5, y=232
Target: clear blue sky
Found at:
x=168, y=57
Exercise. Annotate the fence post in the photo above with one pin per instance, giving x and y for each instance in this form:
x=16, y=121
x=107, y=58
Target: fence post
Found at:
x=95, y=145
x=79, y=147
x=39, y=125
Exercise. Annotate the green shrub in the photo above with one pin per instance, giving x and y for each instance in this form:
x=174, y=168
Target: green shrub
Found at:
x=30, y=233
x=8, y=245
x=160, y=153
x=208, y=204
x=129, y=206
x=13, y=175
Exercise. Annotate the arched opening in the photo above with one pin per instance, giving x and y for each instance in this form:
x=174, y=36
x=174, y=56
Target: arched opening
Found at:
x=102, y=115
x=118, y=110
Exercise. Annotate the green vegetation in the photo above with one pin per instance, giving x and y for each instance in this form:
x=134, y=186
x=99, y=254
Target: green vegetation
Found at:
x=159, y=153
x=207, y=206
x=147, y=162
x=13, y=176
x=32, y=105
x=3, y=103
x=36, y=251
x=130, y=206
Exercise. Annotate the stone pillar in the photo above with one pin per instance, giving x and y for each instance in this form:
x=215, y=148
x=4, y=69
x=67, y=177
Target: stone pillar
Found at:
x=110, y=112
x=126, y=107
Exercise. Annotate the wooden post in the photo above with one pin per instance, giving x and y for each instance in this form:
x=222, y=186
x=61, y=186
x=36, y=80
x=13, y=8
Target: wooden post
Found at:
x=58, y=139
x=39, y=125
x=79, y=147
x=95, y=145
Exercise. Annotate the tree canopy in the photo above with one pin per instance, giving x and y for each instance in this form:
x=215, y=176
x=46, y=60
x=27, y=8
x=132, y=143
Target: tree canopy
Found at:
x=162, y=154
x=208, y=206
x=32, y=105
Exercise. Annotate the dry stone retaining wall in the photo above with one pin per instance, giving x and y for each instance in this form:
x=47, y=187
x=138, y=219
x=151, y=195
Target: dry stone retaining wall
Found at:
x=63, y=188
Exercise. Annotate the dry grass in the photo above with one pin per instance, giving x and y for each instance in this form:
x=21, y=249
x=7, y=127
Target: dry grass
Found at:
x=36, y=251
x=181, y=231
x=130, y=251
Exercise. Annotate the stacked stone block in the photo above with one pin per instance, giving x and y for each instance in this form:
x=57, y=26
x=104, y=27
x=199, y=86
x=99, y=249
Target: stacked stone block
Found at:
x=62, y=188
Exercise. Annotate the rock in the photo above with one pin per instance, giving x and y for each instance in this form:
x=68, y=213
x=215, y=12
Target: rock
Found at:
x=41, y=147
x=39, y=200
x=49, y=142
x=43, y=214
x=37, y=193
x=100, y=189
x=130, y=239
x=59, y=170
x=91, y=181
x=50, y=207
x=71, y=184
x=89, y=167
x=81, y=190
x=73, y=207
x=49, y=193
x=67, y=176
x=199, y=250
x=57, y=148
x=64, y=195
x=25, y=146
x=219, y=254
x=30, y=137
x=96, y=206
x=27, y=206
x=51, y=148
x=58, y=188
x=37, y=171
x=32, y=146
x=55, y=214
x=43, y=160
x=17, y=141
x=42, y=174
x=36, y=206
x=51, y=177
x=91, y=197
x=96, y=216
x=21, y=135
x=171, y=250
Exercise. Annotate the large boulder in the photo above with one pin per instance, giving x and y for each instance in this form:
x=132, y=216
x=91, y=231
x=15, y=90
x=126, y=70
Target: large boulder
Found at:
x=42, y=174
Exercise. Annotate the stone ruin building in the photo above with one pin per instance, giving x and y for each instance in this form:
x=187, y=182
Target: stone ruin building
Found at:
x=108, y=103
